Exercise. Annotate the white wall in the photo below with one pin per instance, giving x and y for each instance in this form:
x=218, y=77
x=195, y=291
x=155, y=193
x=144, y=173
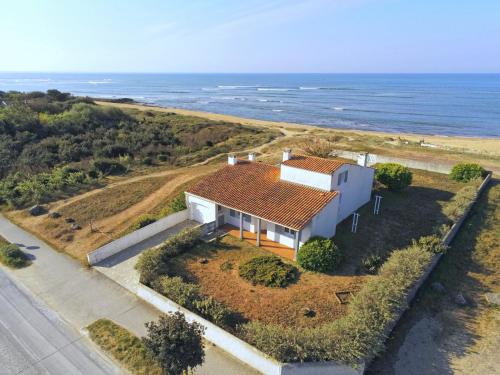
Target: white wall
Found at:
x=356, y=191
x=200, y=210
x=325, y=222
x=135, y=237
x=240, y=349
x=277, y=236
x=305, y=177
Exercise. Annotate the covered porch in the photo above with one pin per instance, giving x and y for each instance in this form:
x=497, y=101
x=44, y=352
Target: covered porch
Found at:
x=267, y=244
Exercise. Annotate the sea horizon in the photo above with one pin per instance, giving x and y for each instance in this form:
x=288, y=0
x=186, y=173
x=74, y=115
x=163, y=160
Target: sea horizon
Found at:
x=447, y=104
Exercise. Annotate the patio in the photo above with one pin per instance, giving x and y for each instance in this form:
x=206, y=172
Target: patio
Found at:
x=265, y=243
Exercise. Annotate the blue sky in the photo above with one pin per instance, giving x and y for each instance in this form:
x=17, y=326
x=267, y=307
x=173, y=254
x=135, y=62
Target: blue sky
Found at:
x=250, y=36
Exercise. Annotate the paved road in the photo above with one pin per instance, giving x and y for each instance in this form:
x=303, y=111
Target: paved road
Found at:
x=34, y=340
x=81, y=296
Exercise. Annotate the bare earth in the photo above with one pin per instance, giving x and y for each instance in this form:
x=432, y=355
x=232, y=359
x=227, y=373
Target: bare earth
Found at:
x=489, y=146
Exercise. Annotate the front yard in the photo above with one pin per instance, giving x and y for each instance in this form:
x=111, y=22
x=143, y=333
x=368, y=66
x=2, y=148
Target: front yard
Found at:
x=312, y=300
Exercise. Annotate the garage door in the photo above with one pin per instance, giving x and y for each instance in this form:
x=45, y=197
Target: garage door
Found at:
x=199, y=213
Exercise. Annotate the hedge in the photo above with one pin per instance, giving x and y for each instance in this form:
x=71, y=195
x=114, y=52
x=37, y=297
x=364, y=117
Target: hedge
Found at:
x=466, y=172
x=455, y=208
x=360, y=333
x=12, y=256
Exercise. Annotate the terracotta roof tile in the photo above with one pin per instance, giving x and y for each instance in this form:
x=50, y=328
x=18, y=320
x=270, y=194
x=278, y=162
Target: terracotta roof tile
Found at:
x=256, y=189
x=315, y=164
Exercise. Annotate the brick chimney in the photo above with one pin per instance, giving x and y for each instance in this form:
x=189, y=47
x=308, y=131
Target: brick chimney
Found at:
x=287, y=154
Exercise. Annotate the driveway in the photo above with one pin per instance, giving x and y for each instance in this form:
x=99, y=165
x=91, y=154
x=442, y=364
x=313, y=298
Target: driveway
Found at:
x=34, y=340
x=81, y=296
x=120, y=267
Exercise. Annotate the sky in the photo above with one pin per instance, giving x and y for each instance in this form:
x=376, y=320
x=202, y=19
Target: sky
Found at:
x=251, y=36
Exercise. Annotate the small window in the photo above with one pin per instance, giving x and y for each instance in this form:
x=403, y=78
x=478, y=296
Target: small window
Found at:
x=289, y=231
x=232, y=213
x=342, y=178
x=345, y=177
x=339, y=181
x=247, y=218
x=219, y=208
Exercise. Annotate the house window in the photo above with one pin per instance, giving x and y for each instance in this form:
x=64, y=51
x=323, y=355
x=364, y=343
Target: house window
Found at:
x=219, y=208
x=247, y=218
x=289, y=231
x=232, y=213
x=342, y=178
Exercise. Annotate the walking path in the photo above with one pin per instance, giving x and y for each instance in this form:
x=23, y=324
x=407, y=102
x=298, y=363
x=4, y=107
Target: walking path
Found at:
x=81, y=296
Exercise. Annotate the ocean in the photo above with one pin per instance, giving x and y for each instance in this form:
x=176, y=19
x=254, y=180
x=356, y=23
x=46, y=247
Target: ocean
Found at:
x=443, y=104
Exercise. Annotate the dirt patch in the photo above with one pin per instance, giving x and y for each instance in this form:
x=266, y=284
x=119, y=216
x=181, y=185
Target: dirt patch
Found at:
x=287, y=306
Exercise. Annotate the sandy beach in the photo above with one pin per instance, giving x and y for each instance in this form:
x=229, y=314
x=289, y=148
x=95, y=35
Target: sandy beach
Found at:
x=479, y=145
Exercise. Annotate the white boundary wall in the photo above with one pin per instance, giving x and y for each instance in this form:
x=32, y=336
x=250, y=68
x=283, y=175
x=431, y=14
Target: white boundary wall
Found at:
x=415, y=164
x=135, y=237
x=240, y=349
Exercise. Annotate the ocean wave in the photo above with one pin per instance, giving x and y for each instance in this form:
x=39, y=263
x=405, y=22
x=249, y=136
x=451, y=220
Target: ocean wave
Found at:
x=231, y=87
x=100, y=82
x=277, y=110
x=338, y=109
x=273, y=89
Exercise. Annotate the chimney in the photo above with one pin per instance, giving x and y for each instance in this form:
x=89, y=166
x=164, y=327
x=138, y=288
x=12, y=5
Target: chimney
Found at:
x=251, y=156
x=287, y=154
x=363, y=159
x=231, y=159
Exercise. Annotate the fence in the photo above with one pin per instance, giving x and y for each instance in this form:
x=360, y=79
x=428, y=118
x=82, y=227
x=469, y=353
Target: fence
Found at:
x=135, y=237
x=416, y=164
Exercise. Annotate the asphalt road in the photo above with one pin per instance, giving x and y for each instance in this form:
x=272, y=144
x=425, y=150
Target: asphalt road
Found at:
x=34, y=340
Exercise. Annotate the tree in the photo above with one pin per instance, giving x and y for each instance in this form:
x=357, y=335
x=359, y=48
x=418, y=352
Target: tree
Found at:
x=175, y=344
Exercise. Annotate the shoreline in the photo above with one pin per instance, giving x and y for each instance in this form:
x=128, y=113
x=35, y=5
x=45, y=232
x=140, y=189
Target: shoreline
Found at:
x=482, y=145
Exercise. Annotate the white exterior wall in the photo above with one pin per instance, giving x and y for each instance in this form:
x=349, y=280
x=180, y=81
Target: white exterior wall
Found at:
x=200, y=210
x=356, y=191
x=325, y=222
x=283, y=238
x=304, y=177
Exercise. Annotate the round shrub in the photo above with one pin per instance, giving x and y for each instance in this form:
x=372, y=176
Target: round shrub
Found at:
x=147, y=160
x=465, y=172
x=162, y=157
x=319, y=254
x=12, y=256
x=108, y=166
x=395, y=176
x=268, y=271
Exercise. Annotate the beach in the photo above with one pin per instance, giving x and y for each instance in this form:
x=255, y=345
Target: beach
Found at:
x=476, y=145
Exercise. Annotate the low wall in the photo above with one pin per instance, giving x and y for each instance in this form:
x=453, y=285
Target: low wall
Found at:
x=415, y=164
x=240, y=349
x=135, y=237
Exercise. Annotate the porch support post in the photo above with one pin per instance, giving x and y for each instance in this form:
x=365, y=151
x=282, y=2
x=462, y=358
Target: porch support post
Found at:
x=258, y=232
x=216, y=216
x=241, y=225
x=296, y=244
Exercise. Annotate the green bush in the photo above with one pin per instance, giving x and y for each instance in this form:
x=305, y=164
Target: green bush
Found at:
x=153, y=262
x=465, y=172
x=185, y=294
x=395, y=176
x=108, y=167
x=319, y=254
x=455, y=208
x=162, y=157
x=268, y=271
x=371, y=263
x=178, y=203
x=214, y=311
x=143, y=221
x=147, y=160
x=432, y=244
x=12, y=256
x=358, y=335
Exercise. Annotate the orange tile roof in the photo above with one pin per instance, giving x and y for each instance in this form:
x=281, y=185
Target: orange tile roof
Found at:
x=315, y=164
x=256, y=189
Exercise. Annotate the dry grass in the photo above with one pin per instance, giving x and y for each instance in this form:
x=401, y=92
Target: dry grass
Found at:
x=123, y=346
x=468, y=339
x=219, y=278
x=3, y=241
x=404, y=216
x=110, y=201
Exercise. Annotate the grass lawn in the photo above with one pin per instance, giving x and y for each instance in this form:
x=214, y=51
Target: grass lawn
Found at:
x=113, y=200
x=404, y=216
x=123, y=346
x=468, y=340
x=219, y=278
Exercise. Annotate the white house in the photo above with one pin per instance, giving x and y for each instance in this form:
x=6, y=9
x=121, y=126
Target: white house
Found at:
x=304, y=196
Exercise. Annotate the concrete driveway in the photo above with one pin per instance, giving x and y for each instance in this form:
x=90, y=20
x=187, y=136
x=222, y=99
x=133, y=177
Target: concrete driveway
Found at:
x=81, y=296
x=120, y=267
